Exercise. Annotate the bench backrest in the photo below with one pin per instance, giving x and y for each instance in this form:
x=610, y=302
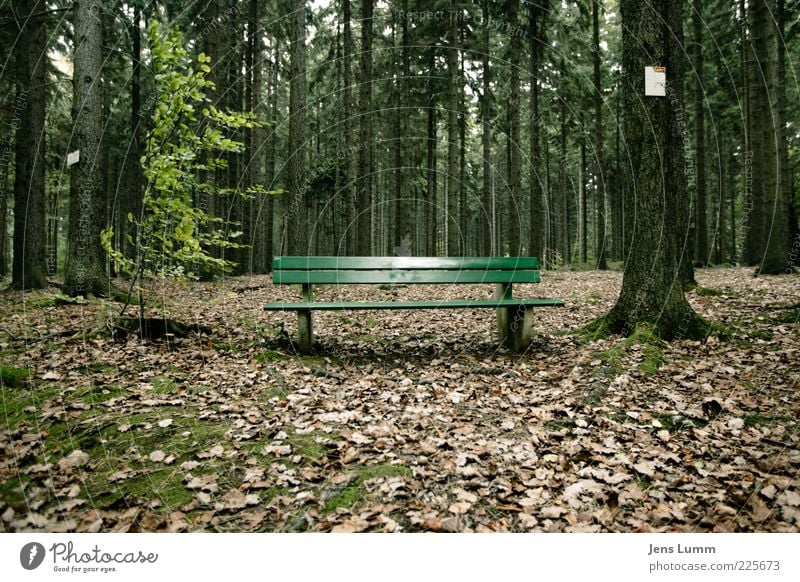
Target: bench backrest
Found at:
x=403, y=270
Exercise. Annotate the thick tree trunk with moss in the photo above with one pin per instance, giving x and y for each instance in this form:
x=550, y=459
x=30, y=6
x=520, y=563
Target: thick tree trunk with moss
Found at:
x=655, y=180
x=85, y=269
x=28, y=268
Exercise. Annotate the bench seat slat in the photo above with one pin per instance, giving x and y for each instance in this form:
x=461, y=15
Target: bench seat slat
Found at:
x=428, y=263
x=403, y=277
x=370, y=305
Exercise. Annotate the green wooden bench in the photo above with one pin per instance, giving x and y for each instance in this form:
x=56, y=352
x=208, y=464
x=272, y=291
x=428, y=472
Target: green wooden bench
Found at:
x=514, y=316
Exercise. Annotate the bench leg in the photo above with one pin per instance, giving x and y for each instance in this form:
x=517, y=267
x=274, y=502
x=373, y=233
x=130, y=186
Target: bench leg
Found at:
x=503, y=291
x=305, y=331
x=519, y=327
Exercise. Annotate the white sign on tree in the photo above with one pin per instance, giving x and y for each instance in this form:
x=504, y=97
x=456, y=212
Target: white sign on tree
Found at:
x=655, y=81
x=73, y=158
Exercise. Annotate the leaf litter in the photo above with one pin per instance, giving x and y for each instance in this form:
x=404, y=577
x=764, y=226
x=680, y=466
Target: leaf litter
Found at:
x=402, y=421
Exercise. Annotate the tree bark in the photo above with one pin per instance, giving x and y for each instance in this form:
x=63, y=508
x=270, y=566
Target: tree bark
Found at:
x=295, y=221
x=583, y=216
x=768, y=236
x=565, y=239
x=652, y=31
x=405, y=219
x=4, y=187
x=464, y=234
x=784, y=190
x=28, y=268
x=600, y=182
x=701, y=220
x=618, y=221
x=453, y=91
x=256, y=176
x=269, y=158
x=350, y=166
x=365, y=209
x=431, y=207
x=397, y=206
x=514, y=170
x=487, y=213
x=137, y=115
x=537, y=203
x=85, y=269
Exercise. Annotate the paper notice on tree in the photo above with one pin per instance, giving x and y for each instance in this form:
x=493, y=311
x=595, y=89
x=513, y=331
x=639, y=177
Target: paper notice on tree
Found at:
x=73, y=158
x=655, y=81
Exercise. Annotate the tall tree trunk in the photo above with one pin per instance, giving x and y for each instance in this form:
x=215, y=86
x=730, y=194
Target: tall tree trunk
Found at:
x=4, y=186
x=552, y=222
x=464, y=235
x=514, y=170
x=295, y=221
x=620, y=230
x=769, y=228
x=350, y=162
x=537, y=204
x=584, y=214
x=600, y=182
x=232, y=63
x=453, y=90
x=734, y=254
x=651, y=287
x=487, y=213
x=699, y=135
x=565, y=239
x=211, y=47
x=135, y=200
x=407, y=207
x=722, y=216
x=754, y=182
x=744, y=256
x=28, y=268
x=365, y=209
x=256, y=176
x=269, y=161
x=784, y=190
x=398, y=205
x=85, y=269
x=431, y=207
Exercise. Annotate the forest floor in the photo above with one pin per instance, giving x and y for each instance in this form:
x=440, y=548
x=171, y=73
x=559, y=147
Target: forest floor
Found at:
x=402, y=421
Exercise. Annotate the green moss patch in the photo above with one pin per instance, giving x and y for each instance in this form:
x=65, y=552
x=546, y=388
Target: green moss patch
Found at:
x=652, y=347
x=11, y=377
x=708, y=292
x=355, y=491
